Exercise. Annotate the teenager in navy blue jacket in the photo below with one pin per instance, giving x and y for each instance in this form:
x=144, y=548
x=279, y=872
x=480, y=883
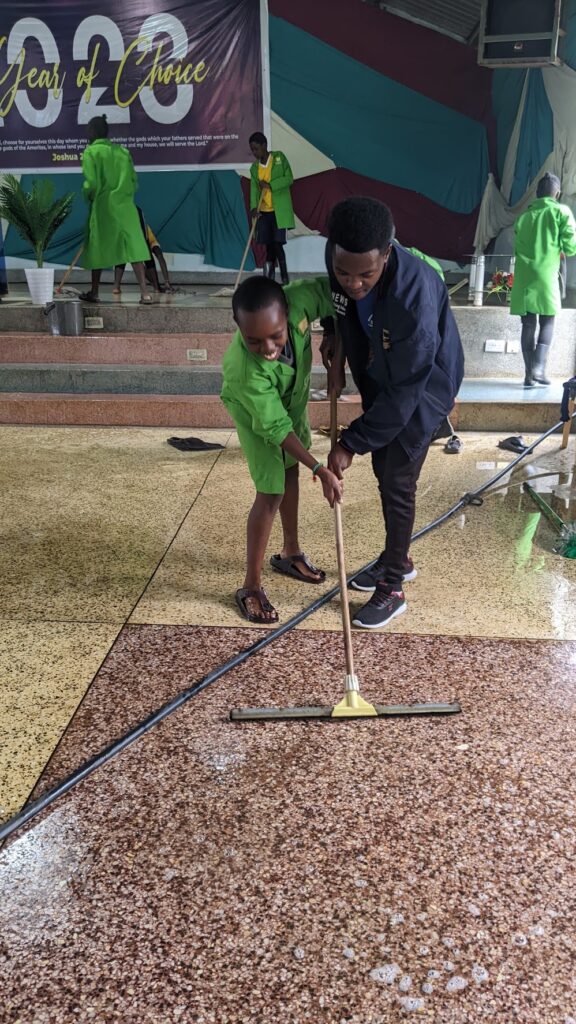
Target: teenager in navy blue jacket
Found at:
x=401, y=342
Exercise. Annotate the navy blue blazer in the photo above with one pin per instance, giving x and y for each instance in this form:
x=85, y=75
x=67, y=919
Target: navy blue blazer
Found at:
x=410, y=370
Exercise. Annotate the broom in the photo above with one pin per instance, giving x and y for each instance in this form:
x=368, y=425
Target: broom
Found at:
x=566, y=543
x=230, y=291
x=70, y=269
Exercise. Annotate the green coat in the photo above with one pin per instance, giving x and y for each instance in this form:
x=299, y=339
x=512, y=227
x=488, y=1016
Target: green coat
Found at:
x=281, y=179
x=269, y=400
x=427, y=259
x=546, y=229
x=113, y=232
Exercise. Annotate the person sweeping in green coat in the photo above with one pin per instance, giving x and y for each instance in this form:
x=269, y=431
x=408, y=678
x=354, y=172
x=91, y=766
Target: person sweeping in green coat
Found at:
x=113, y=232
x=543, y=233
x=266, y=371
x=270, y=200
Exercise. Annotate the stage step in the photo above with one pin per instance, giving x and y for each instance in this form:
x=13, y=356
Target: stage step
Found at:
x=190, y=350
x=205, y=315
x=118, y=379
x=206, y=410
x=190, y=412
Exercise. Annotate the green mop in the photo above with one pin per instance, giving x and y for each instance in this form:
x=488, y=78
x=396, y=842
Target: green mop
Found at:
x=352, y=705
x=566, y=543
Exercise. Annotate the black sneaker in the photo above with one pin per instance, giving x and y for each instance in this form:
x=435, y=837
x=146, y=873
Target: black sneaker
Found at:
x=453, y=446
x=384, y=605
x=367, y=580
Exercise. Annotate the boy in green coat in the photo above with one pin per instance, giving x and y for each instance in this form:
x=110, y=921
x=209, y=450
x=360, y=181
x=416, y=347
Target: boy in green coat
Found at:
x=270, y=200
x=113, y=231
x=266, y=372
x=545, y=231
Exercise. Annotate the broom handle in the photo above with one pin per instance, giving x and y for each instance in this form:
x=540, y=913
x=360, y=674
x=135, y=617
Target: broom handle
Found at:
x=248, y=244
x=344, y=606
x=70, y=268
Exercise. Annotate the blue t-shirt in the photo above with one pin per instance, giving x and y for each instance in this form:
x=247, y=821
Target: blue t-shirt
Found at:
x=365, y=310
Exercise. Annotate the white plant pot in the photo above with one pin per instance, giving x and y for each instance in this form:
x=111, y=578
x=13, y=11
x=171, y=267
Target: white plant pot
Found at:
x=40, y=284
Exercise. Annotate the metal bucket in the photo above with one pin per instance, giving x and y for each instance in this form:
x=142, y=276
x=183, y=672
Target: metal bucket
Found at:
x=65, y=317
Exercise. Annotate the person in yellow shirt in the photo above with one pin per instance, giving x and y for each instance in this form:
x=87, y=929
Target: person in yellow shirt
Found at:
x=270, y=200
x=151, y=272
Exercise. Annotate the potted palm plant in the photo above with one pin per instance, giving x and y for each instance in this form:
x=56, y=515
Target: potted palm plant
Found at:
x=36, y=216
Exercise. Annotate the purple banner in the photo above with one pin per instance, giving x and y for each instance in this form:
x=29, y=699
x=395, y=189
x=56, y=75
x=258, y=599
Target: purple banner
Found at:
x=183, y=83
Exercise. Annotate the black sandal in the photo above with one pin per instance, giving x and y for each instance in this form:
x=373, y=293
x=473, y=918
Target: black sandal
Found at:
x=261, y=596
x=89, y=297
x=513, y=444
x=289, y=567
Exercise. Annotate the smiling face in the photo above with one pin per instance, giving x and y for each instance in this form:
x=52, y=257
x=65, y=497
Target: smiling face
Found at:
x=358, y=272
x=265, y=331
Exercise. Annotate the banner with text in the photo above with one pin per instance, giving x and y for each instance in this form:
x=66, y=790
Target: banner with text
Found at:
x=183, y=83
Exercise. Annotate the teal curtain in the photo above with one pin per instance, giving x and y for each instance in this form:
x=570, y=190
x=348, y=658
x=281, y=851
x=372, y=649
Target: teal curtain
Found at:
x=189, y=212
x=507, y=85
x=536, y=135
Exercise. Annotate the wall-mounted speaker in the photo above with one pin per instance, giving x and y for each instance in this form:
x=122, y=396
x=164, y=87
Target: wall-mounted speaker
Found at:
x=517, y=33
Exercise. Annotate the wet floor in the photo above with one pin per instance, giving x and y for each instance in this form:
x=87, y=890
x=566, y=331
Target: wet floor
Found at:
x=360, y=872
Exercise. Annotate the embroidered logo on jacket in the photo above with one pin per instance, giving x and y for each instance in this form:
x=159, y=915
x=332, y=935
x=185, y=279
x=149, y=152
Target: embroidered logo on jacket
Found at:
x=340, y=303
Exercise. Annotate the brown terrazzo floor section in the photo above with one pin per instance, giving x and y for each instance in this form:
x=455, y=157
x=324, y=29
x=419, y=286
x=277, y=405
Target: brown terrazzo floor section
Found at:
x=362, y=873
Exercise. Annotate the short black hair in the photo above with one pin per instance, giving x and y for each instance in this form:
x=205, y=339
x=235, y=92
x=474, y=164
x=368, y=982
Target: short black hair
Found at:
x=360, y=224
x=99, y=127
x=257, y=293
x=548, y=185
x=258, y=137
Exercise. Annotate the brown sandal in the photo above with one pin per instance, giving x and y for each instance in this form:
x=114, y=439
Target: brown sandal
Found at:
x=261, y=596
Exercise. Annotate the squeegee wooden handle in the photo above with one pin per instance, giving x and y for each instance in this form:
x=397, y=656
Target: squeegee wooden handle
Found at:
x=344, y=606
x=248, y=244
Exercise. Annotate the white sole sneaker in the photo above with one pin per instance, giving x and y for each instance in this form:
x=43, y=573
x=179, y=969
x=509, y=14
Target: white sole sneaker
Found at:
x=379, y=625
x=368, y=590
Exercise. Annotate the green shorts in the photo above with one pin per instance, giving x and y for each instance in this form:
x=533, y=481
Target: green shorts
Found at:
x=268, y=462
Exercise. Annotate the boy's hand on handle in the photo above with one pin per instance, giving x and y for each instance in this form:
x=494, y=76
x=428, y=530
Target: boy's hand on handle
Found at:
x=333, y=363
x=336, y=379
x=333, y=487
x=327, y=348
x=339, y=460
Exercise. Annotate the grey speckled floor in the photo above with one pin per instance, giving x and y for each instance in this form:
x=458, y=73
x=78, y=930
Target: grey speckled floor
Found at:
x=507, y=390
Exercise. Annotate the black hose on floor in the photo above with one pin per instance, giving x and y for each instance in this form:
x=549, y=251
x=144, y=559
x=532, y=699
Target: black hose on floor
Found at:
x=34, y=808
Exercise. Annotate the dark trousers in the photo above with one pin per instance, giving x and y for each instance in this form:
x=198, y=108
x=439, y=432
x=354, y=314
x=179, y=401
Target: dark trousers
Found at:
x=397, y=477
x=535, y=350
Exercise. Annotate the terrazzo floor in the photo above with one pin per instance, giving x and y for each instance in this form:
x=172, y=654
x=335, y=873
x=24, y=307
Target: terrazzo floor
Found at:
x=214, y=873
x=294, y=872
